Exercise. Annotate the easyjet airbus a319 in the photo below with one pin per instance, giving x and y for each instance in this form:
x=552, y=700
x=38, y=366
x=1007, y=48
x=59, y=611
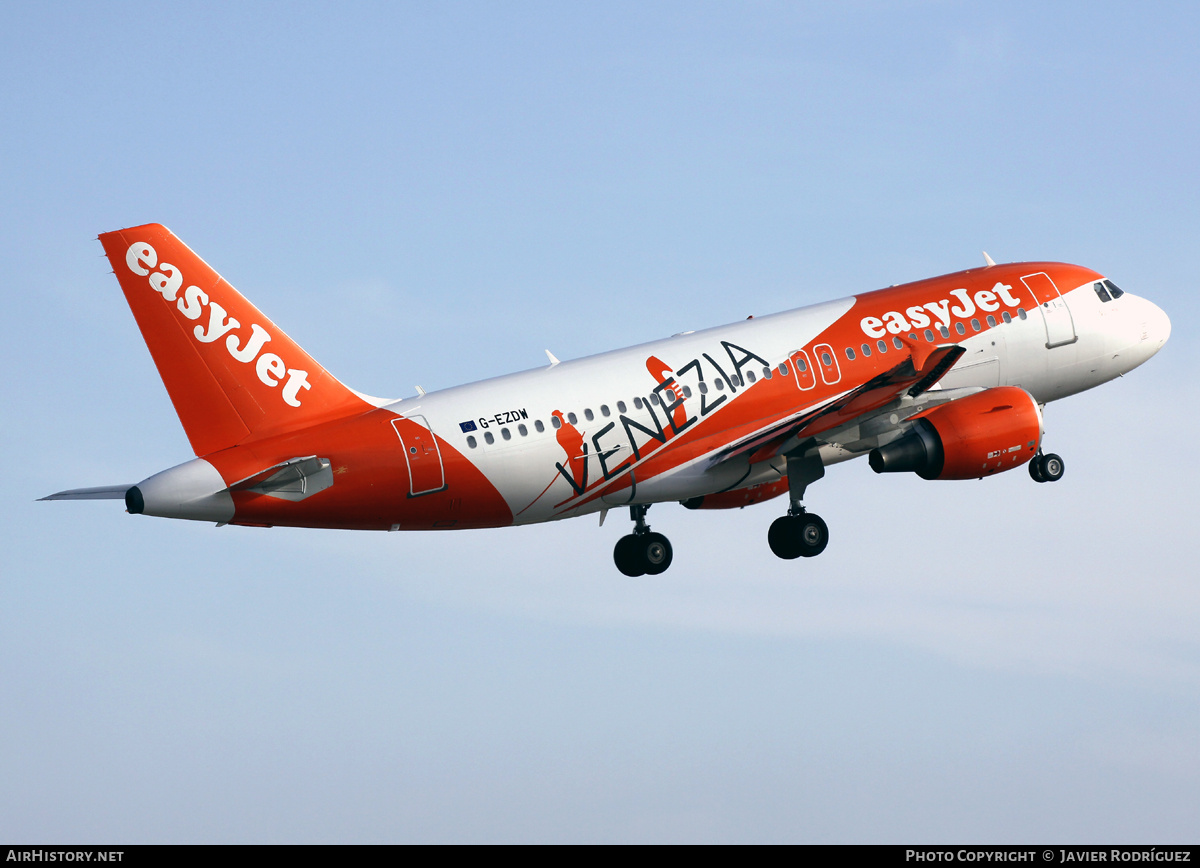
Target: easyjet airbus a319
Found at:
x=946, y=378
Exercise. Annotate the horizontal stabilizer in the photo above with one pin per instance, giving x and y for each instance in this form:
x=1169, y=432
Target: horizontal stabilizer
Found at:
x=102, y=492
x=292, y=480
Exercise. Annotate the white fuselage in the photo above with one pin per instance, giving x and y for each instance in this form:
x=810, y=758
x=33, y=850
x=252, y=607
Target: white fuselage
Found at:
x=1106, y=339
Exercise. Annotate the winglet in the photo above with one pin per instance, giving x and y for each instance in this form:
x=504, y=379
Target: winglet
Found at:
x=988, y=259
x=919, y=350
x=947, y=355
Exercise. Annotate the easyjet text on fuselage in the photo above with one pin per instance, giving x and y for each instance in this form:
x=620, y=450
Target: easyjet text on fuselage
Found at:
x=962, y=306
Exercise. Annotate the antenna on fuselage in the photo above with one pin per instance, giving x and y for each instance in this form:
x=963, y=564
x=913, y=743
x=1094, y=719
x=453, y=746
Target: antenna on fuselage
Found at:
x=988, y=259
x=553, y=360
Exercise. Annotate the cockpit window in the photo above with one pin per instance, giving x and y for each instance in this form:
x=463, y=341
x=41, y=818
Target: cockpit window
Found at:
x=1115, y=290
x=1102, y=292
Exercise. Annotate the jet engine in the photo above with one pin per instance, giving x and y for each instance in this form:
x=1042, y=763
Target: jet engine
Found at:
x=976, y=436
x=739, y=497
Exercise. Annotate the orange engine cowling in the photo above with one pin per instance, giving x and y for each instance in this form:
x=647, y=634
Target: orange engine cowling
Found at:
x=976, y=436
x=739, y=497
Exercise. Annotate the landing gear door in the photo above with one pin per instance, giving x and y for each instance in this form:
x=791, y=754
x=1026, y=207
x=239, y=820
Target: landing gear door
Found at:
x=1060, y=327
x=426, y=474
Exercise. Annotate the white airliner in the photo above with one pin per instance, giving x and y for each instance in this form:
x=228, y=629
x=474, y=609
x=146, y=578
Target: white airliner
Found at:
x=945, y=377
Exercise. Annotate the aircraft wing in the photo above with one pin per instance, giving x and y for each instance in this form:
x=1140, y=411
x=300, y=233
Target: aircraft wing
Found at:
x=904, y=378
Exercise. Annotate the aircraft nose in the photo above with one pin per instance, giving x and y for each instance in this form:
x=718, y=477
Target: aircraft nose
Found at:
x=1148, y=328
x=1156, y=327
x=1159, y=325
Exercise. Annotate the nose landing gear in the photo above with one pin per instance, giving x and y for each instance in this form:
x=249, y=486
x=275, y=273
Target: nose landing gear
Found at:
x=642, y=553
x=1046, y=468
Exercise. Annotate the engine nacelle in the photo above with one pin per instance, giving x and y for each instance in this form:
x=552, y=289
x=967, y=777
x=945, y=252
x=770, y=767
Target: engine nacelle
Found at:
x=976, y=436
x=739, y=497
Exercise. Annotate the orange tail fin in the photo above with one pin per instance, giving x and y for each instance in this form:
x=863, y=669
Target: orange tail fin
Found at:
x=232, y=374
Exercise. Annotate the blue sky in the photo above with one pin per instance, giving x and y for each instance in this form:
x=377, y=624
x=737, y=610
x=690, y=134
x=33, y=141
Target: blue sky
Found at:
x=434, y=194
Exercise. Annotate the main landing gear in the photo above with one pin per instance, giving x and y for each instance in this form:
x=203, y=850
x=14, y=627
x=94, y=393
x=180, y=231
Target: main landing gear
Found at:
x=1046, y=468
x=800, y=534
x=642, y=553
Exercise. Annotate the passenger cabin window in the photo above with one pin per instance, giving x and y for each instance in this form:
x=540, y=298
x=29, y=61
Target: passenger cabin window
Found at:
x=945, y=332
x=783, y=369
x=767, y=373
x=750, y=376
x=621, y=408
x=882, y=346
x=849, y=354
x=929, y=335
x=654, y=399
x=538, y=426
x=1113, y=289
x=687, y=391
x=555, y=422
x=1021, y=313
x=505, y=433
x=1005, y=316
x=637, y=403
x=897, y=343
x=801, y=364
x=522, y=430
x=588, y=414
x=472, y=442
x=704, y=388
x=488, y=438
x=866, y=350
x=975, y=325
x=604, y=411
x=572, y=418
x=991, y=321
x=960, y=328
x=826, y=360
x=720, y=384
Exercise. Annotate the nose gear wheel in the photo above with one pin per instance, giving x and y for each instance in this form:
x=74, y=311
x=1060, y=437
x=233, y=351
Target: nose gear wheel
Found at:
x=1046, y=468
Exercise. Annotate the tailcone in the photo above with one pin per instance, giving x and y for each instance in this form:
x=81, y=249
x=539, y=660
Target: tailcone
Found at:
x=193, y=490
